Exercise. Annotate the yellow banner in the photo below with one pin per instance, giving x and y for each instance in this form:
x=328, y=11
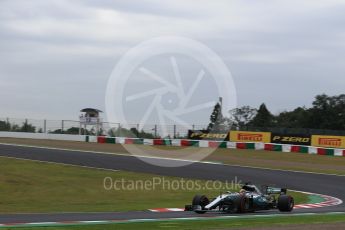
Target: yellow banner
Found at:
x=244, y=136
x=328, y=141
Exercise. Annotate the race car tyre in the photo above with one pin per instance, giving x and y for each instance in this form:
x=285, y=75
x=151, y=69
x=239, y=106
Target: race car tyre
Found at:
x=201, y=200
x=285, y=203
x=243, y=205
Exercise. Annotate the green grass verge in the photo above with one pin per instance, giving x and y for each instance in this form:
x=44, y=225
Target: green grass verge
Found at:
x=28, y=186
x=303, y=162
x=222, y=223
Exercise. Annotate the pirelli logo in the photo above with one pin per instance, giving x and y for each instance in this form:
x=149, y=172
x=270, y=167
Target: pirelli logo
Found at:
x=336, y=142
x=250, y=137
x=328, y=141
x=246, y=136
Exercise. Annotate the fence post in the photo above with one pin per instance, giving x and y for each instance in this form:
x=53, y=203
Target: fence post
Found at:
x=25, y=126
x=174, y=131
x=8, y=122
x=79, y=128
x=44, y=126
x=62, y=126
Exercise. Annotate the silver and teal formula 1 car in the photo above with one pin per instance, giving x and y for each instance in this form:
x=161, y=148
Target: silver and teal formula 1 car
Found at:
x=249, y=199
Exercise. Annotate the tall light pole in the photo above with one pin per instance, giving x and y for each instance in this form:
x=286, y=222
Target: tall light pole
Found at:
x=221, y=105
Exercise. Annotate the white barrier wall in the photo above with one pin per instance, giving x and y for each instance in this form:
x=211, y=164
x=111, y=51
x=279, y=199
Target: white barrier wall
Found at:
x=44, y=136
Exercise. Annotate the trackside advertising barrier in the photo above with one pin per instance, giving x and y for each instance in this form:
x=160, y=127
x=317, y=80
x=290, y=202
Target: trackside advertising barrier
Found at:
x=223, y=144
x=328, y=141
x=245, y=136
x=206, y=135
x=294, y=139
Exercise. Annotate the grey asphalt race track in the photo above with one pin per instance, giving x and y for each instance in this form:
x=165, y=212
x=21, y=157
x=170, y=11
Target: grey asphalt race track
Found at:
x=317, y=183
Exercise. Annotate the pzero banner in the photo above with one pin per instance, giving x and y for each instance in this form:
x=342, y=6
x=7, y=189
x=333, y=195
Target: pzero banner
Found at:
x=293, y=139
x=206, y=135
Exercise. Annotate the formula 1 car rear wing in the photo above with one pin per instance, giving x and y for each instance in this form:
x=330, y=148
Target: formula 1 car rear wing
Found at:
x=264, y=189
x=272, y=190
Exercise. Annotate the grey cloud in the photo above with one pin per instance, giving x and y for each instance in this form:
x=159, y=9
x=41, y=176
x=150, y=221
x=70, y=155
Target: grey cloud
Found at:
x=54, y=54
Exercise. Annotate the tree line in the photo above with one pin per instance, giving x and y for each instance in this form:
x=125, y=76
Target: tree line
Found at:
x=326, y=112
x=25, y=127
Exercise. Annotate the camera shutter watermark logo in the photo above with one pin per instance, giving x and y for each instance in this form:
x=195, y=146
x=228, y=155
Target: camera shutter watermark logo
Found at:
x=160, y=100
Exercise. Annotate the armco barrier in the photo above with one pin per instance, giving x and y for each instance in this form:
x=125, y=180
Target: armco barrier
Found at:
x=227, y=144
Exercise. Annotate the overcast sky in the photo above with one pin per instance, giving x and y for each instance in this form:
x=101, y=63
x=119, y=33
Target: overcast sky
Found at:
x=56, y=56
